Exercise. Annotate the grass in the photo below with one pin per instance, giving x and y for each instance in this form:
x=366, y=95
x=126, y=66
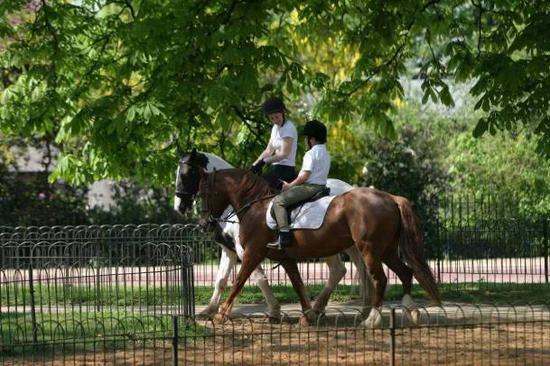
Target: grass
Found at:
x=76, y=296
x=475, y=293
x=12, y=295
x=81, y=331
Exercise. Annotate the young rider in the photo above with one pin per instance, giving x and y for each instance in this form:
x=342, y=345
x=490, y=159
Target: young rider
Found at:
x=280, y=152
x=311, y=180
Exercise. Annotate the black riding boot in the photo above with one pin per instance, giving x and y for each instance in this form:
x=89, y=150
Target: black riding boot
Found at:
x=283, y=241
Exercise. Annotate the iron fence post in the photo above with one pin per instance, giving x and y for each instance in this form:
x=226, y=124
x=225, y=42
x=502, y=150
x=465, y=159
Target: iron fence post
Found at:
x=33, y=304
x=187, y=282
x=184, y=282
x=392, y=337
x=175, y=340
x=97, y=284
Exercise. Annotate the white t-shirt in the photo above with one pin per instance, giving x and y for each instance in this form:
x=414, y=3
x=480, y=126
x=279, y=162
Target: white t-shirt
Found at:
x=278, y=133
x=317, y=161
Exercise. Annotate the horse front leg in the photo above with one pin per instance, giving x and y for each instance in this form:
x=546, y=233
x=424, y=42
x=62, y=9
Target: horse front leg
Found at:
x=227, y=262
x=274, y=308
x=337, y=271
x=291, y=268
x=250, y=261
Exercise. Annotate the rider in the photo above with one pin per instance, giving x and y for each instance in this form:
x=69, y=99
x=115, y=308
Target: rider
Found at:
x=311, y=180
x=280, y=152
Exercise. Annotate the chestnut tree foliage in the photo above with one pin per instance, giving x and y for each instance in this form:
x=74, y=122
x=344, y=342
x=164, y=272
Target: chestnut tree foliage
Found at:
x=115, y=84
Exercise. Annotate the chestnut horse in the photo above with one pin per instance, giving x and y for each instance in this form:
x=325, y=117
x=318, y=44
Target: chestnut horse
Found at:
x=378, y=223
x=227, y=236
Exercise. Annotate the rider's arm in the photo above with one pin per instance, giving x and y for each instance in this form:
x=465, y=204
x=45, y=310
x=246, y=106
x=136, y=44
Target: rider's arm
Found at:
x=269, y=150
x=300, y=179
x=283, y=153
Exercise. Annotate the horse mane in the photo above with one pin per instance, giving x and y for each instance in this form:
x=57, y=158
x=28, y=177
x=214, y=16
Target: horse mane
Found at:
x=214, y=161
x=252, y=184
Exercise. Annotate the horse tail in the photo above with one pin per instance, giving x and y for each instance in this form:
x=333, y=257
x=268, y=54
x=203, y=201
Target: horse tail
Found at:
x=411, y=244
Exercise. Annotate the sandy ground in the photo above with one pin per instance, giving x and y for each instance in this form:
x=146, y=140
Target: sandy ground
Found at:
x=449, y=336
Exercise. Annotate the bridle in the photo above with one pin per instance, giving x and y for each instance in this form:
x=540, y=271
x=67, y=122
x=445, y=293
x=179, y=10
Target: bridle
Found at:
x=205, y=209
x=207, y=195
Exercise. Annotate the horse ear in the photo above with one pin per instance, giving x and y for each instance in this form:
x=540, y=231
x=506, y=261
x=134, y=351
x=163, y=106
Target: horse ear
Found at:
x=194, y=151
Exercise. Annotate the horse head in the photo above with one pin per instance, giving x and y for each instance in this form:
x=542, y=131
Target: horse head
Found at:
x=191, y=167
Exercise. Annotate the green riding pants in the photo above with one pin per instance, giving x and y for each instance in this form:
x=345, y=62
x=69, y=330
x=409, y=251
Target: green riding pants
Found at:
x=291, y=197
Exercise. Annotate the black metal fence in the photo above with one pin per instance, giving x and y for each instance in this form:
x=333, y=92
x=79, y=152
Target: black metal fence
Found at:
x=450, y=335
x=475, y=239
x=488, y=239
x=59, y=278
x=118, y=294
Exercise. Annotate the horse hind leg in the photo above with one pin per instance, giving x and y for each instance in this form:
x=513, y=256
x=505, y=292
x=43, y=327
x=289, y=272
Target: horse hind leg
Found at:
x=366, y=287
x=405, y=275
x=379, y=280
x=337, y=271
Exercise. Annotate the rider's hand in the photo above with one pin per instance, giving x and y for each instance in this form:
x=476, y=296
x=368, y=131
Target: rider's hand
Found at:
x=286, y=186
x=257, y=168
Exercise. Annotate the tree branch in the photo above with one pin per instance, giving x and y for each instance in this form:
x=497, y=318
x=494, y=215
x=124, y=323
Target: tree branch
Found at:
x=246, y=120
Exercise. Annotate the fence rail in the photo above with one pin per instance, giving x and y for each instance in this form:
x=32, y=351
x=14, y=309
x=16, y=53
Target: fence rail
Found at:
x=126, y=295
x=448, y=335
x=59, y=274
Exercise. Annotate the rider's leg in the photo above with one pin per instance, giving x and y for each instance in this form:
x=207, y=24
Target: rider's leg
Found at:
x=288, y=198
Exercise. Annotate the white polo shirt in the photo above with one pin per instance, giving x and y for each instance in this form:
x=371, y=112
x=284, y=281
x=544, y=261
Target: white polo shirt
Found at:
x=278, y=133
x=317, y=161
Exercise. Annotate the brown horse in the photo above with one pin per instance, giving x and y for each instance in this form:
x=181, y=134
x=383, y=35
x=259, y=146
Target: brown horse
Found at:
x=378, y=223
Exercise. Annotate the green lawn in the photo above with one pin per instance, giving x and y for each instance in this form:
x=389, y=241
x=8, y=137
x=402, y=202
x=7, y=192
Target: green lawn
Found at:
x=81, y=331
x=476, y=293
x=75, y=296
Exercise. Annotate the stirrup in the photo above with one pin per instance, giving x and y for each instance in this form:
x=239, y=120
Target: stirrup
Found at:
x=283, y=240
x=274, y=245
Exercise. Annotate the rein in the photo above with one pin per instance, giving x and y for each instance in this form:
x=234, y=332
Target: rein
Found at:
x=246, y=206
x=234, y=213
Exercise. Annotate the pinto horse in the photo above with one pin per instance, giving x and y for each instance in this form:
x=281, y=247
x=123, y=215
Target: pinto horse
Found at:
x=379, y=224
x=227, y=235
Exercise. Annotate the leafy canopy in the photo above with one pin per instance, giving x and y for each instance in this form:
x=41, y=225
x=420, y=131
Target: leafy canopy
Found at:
x=114, y=83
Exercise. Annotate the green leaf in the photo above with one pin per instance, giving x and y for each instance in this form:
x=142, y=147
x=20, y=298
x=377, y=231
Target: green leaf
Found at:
x=481, y=128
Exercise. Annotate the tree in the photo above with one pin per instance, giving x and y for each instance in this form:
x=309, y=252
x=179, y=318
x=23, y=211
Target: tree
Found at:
x=115, y=83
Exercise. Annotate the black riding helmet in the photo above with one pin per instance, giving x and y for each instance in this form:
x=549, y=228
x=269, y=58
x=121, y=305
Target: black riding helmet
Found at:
x=273, y=105
x=315, y=129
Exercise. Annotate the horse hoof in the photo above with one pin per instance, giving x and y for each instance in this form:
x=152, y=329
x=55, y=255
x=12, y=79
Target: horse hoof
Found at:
x=275, y=313
x=207, y=313
x=413, y=315
x=318, y=310
x=374, y=321
x=274, y=319
x=220, y=318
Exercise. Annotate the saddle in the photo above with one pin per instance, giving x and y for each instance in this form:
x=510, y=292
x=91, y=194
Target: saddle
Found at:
x=325, y=192
x=308, y=214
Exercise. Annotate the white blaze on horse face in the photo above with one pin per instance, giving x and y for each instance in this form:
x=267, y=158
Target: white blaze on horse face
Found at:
x=177, y=200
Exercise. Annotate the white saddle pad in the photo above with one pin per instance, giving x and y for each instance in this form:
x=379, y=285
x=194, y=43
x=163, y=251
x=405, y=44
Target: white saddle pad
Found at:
x=307, y=216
